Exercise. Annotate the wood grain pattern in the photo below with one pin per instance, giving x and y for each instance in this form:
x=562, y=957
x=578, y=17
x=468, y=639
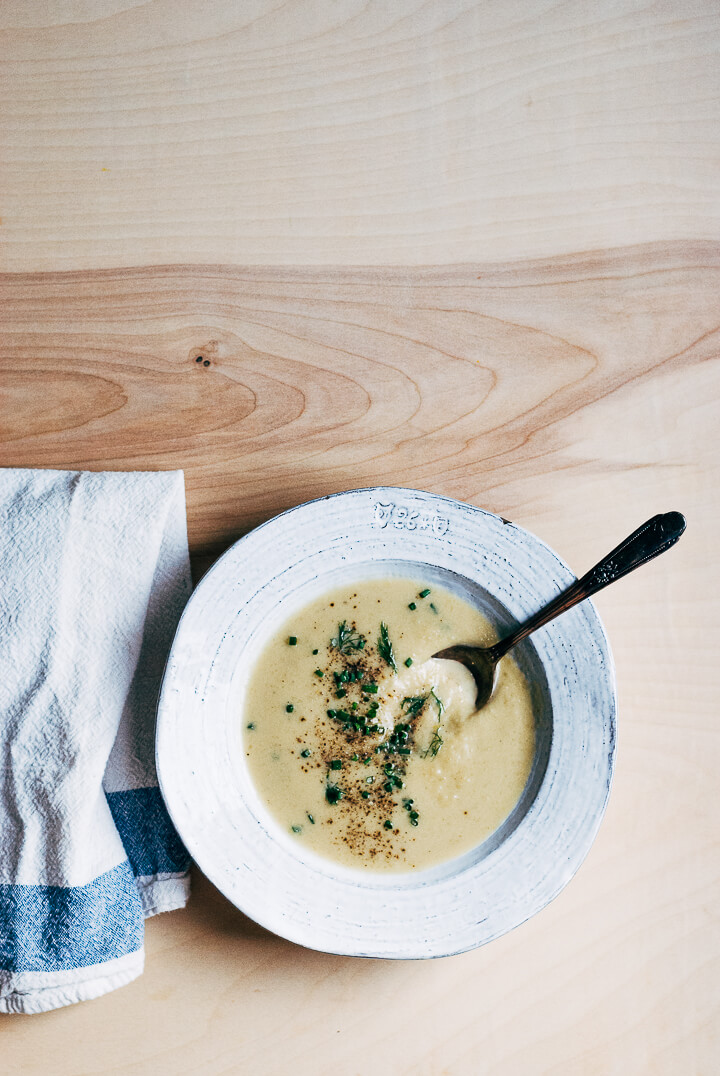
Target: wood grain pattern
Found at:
x=301, y=131
x=577, y=396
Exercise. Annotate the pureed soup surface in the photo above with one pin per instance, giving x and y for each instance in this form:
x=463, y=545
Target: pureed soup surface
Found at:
x=369, y=752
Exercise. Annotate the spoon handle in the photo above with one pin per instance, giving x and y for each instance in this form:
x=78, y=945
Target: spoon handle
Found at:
x=648, y=541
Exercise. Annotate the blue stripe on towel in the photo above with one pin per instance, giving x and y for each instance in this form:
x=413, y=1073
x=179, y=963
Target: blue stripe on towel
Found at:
x=57, y=928
x=151, y=843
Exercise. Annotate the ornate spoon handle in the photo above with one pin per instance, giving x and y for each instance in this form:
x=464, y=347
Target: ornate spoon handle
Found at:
x=648, y=541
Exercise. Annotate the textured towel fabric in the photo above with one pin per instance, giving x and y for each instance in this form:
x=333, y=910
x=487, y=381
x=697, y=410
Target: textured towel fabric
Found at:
x=94, y=574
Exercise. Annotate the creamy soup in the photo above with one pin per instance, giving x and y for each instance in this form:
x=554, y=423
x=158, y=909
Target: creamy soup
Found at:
x=367, y=749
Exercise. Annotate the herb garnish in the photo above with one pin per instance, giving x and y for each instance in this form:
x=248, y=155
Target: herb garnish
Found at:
x=413, y=815
x=333, y=794
x=413, y=704
x=398, y=739
x=424, y=593
x=440, y=703
x=385, y=647
x=435, y=744
x=348, y=640
x=437, y=740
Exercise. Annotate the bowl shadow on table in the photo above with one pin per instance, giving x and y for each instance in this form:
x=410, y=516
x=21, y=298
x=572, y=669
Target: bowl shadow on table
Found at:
x=220, y=921
x=225, y=928
x=213, y=912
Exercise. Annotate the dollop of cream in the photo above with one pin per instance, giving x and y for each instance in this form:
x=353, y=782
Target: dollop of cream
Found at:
x=447, y=681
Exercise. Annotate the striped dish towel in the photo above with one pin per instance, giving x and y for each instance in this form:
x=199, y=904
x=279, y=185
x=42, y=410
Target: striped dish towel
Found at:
x=94, y=574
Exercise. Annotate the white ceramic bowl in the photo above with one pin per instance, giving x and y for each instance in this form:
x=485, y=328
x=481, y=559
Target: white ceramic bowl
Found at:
x=278, y=568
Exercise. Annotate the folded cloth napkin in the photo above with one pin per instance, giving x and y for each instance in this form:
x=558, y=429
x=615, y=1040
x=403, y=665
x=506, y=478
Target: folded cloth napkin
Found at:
x=94, y=574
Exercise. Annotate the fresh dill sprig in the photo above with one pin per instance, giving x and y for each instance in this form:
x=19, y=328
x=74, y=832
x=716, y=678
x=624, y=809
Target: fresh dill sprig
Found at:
x=435, y=744
x=439, y=702
x=385, y=647
x=348, y=640
x=413, y=704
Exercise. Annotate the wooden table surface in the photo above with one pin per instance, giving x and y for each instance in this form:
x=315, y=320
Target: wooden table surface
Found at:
x=466, y=247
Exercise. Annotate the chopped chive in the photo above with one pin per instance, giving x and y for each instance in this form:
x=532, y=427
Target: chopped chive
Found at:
x=354, y=706
x=412, y=606
x=408, y=662
x=336, y=764
x=316, y=651
x=365, y=795
x=424, y=593
x=292, y=641
x=355, y=758
x=289, y=708
x=371, y=689
x=333, y=794
x=433, y=607
x=341, y=693
x=367, y=761
x=251, y=725
x=296, y=829
x=305, y=753
x=310, y=818
x=403, y=750
x=369, y=780
x=319, y=672
x=388, y=824
x=388, y=786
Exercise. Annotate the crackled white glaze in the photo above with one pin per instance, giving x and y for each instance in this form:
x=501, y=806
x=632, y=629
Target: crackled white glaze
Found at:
x=251, y=590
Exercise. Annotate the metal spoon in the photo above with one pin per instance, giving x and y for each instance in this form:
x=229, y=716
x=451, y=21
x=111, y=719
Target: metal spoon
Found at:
x=653, y=538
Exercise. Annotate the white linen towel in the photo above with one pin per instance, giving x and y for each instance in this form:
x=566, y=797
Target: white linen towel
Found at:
x=94, y=574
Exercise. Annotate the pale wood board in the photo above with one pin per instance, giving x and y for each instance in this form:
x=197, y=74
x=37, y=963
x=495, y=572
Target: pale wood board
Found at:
x=576, y=396
x=303, y=131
